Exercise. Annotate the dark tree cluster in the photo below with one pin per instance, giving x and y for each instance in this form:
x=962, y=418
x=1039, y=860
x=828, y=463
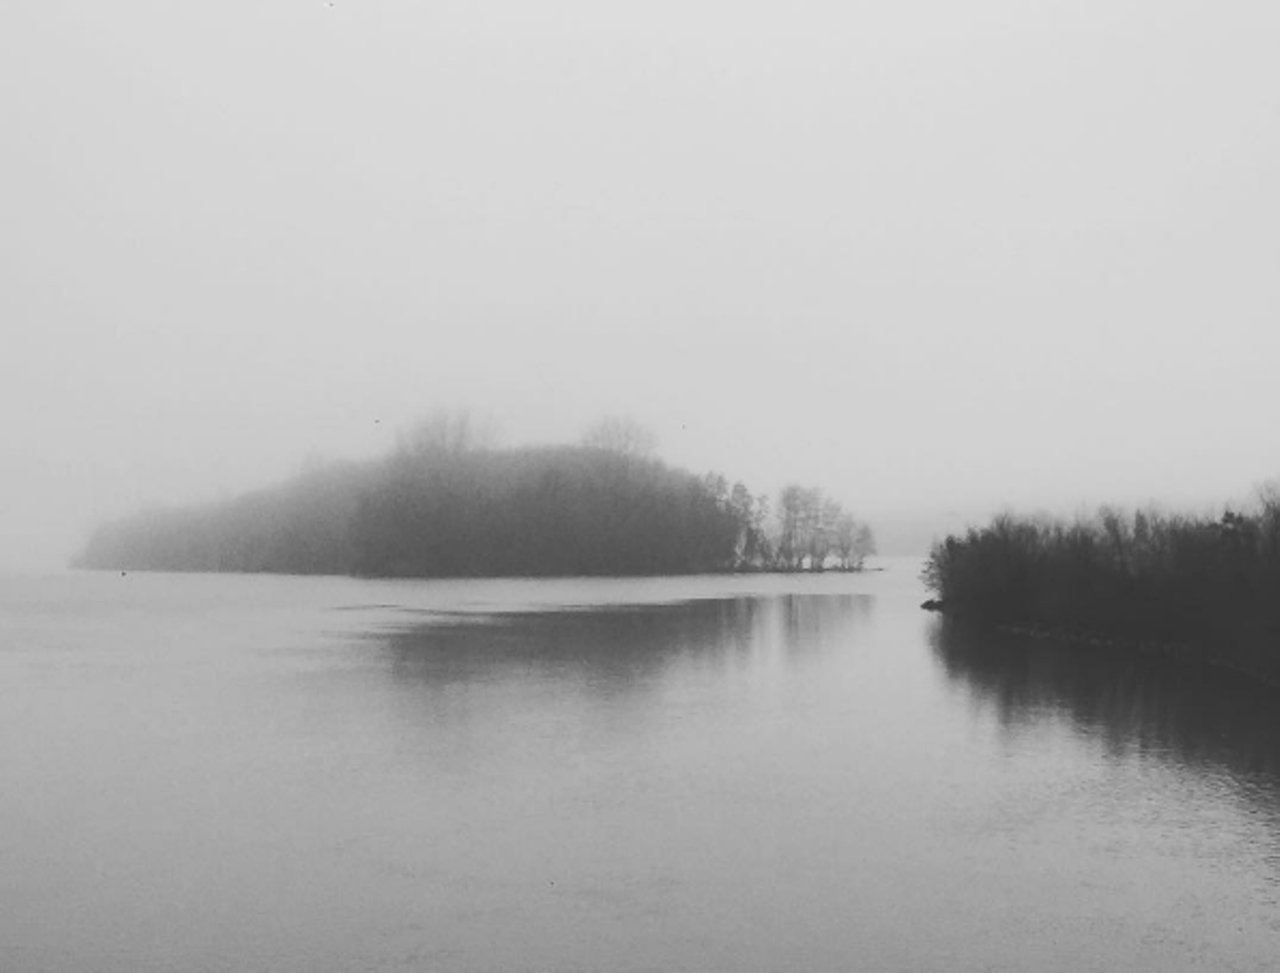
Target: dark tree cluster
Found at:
x=441, y=506
x=1211, y=583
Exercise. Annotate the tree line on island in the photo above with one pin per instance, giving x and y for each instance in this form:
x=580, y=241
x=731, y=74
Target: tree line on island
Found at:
x=446, y=504
x=1203, y=586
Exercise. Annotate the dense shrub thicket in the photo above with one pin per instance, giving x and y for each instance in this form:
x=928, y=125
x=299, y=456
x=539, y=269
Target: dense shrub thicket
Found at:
x=440, y=510
x=1174, y=579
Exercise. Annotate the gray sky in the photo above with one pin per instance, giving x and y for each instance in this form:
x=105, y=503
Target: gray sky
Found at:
x=929, y=255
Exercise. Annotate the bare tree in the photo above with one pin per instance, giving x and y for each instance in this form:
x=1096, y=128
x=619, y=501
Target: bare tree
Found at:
x=790, y=546
x=449, y=431
x=864, y=545
x=622, y=435
x=846, y=537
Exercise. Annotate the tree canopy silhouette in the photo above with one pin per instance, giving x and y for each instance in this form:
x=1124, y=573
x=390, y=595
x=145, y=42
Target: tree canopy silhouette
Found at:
x=441, y=506
x=1208, y=584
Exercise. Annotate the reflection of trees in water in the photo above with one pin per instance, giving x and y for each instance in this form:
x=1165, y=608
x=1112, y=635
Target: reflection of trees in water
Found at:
x=613, y=647
x=1205, y=719
x=815, y=622
x=617, y=648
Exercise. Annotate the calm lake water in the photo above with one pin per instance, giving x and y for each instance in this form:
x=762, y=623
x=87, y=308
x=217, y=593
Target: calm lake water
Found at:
x=203, y=773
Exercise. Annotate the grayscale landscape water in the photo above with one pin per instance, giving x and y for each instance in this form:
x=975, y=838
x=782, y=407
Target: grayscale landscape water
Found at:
x=716, y=773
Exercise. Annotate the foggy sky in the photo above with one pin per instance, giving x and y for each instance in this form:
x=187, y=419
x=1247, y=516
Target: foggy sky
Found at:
x=931, y=256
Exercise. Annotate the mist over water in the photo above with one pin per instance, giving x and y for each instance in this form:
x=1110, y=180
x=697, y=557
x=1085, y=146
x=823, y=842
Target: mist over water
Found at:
x=936, y=258
x=718, y=773
x=925, y=260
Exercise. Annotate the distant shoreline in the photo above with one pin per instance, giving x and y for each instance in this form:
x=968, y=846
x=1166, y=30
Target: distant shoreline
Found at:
x=727, y=573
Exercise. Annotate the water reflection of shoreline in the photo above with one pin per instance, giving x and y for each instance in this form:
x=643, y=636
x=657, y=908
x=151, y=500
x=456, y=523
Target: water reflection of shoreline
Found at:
x=1202, y=719
x=618, y=649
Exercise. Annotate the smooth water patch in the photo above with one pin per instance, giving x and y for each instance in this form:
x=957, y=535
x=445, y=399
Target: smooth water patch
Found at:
x=738, y=773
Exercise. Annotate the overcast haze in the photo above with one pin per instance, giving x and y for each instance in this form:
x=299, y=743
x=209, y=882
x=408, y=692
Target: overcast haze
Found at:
x=930, y=256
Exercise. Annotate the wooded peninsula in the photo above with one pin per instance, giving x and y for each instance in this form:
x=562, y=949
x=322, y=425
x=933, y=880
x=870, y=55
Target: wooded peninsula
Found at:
x=442, y=506
x=1198, y=587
